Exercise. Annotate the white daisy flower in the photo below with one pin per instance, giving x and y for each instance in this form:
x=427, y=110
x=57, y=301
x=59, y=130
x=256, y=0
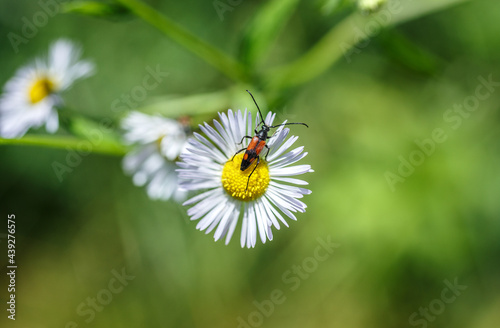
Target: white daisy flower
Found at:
x=228, y=193
x=30, y=97
x=159, y=141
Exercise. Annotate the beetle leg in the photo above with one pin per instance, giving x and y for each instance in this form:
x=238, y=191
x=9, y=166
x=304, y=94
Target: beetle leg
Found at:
x=258, y=161
x=239, y=143
x=239, y=151
x=268, y=149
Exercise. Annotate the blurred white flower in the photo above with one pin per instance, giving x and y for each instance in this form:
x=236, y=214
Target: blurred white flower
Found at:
x=158, y=142
x=370, y=5
x=30, y=97
x=208, y=165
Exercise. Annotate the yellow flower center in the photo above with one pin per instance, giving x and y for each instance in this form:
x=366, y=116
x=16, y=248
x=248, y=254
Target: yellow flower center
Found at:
x=235, y=181
x=41, y=89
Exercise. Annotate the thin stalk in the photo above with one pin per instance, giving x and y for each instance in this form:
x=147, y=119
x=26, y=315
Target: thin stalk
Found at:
x=65, y=142
x=213, y=56
x=348, y=38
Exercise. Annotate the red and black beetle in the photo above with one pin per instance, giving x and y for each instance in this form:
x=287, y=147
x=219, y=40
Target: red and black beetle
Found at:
x=257, y=143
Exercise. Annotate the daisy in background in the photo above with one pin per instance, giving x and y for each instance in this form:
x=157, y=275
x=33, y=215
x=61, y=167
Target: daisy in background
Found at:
x=207, y=165
x=158, y=141
x=30, y=98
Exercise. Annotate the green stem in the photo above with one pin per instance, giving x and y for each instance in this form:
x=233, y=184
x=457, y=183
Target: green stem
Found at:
x=65, y=142
x=342, y=39
x=263, y=29
x=215, y=57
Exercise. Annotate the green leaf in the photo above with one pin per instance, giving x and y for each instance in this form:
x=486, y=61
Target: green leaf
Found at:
x=198, y=105
x=264, y=28
x=330, y=7
x=405, y=52
x=94, y=8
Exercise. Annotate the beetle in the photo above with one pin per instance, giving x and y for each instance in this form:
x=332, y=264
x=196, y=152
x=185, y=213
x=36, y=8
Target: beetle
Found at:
x=257, y=144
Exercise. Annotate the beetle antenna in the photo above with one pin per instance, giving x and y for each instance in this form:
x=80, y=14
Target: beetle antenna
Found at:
x=262, y=117
x=275, y=126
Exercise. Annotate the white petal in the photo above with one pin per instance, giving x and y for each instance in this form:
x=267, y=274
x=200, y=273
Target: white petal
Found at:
x=234, y=221
x=204, y=206
x=281, y=207
x=292, y=170
x=275, y=212
x=211, y=216
x=261, y=222
x=289, y=158
x=283, y=148
x=252, y=227
x=244, y=226
x=268, y=213
x=224, y=222
x=52, y=123
x=291, y=202
x=249, y=124
x=200, y=197
x=292, y=180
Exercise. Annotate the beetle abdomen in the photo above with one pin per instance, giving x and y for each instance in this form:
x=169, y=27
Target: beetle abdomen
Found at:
x=248, y=158
x=253, y=150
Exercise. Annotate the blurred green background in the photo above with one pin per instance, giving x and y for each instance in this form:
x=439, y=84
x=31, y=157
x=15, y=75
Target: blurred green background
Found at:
x=396, y=247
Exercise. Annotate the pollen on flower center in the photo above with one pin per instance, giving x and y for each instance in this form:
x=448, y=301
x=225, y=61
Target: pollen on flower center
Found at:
x=235, y=181
x=40, y=89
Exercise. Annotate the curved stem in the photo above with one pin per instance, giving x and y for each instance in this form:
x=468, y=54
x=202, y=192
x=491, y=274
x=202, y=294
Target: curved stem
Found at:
x=215, y=57
x=349, y=37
